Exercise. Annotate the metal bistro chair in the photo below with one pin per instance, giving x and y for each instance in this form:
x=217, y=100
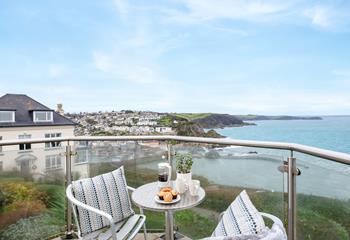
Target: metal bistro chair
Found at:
x=102, y=208
x=242, y=220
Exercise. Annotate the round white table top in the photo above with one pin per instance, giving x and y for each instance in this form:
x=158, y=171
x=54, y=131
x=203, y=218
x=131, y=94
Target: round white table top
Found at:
x=144, y=195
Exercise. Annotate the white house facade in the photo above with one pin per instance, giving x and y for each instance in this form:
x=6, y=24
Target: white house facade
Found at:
x=22, y=117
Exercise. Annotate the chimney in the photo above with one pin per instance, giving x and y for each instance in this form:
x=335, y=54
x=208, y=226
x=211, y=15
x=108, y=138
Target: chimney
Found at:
x=60, y=109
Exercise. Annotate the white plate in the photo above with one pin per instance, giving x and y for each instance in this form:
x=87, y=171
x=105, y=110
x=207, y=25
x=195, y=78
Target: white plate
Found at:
x=156, y=198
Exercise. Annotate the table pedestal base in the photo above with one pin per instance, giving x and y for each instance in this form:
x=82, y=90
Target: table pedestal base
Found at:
x=169, y=225
x=170, y=234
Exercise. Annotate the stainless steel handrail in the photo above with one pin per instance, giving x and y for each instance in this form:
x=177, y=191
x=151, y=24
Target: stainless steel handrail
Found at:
x=314, y=151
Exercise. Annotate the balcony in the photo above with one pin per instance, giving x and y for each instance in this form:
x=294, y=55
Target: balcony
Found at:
x=307, y=188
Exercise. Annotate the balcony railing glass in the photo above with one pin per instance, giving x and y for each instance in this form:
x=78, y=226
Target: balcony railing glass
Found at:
x=37, y=178
x=32, y=198
x=323, y=198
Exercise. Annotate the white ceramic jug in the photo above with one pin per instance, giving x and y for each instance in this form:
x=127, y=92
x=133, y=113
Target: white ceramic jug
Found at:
x=180, y=185
x=183, y=179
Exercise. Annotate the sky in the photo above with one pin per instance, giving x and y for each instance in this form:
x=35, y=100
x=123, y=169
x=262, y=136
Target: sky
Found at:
x=238, y=57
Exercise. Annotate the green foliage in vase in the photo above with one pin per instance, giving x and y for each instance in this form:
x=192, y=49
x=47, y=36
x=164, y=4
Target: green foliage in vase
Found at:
x=184, y=162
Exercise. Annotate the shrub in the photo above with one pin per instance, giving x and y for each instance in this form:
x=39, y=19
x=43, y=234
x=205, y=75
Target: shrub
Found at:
x=20, y=200
x=21, y=191
x=2, y=200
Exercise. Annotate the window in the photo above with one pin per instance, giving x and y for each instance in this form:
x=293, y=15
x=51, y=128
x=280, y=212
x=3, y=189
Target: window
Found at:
x=43, y=116
x=53, y=162
x=7, y=116
x=53, y=144
x=25, y=146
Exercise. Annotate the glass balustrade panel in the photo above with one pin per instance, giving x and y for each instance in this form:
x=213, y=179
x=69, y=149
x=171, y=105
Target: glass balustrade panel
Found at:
x=323, y=199
x=32, y=191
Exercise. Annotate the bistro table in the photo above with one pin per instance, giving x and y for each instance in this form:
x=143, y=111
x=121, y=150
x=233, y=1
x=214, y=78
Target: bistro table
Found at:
x=144, y=196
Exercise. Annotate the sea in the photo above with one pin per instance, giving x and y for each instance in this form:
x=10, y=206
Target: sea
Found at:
x=260, y=168
x=332, y=132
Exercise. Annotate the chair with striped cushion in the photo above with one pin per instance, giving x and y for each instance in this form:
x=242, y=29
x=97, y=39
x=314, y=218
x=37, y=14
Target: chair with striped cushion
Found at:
x=102, y=207
x=242, y=220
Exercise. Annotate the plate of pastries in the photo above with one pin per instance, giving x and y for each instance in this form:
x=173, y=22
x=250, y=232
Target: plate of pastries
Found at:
x=167, y=195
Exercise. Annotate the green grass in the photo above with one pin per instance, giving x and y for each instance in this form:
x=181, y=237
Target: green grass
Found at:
x=184, y=221
x=312, y=225
x=56, y=202
x=193, y=116
x=194, y=225
x=166, y=121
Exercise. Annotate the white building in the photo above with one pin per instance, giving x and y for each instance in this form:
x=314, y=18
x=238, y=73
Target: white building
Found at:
x=21, y=117
x=168, y=130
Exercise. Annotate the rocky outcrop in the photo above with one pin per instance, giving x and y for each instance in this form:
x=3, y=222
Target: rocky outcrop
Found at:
x=219, y=121
x=185, y=127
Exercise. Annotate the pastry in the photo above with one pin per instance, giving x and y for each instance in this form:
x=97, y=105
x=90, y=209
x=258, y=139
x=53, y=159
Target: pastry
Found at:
x=166, y=189
x=161, y=195
x=168, y=197
x=174, y=193
x=167, y=194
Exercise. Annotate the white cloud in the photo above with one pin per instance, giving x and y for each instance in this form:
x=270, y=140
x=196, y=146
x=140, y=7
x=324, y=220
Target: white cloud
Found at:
x=252, y=10
x=233, y=31
x=134, y=55
x=124, y=68
x=329, y=16
x=320, y=16
x=122, y=7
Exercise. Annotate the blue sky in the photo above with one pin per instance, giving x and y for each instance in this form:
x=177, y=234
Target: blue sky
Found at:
x=251, y=56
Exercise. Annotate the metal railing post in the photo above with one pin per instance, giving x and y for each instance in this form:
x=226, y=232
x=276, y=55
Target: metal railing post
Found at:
x=292, y=172
x=170, y=160
x=69, y=230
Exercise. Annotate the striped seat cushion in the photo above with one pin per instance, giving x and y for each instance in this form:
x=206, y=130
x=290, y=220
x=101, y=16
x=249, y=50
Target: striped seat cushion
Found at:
x=241, y=217
x=107, y=192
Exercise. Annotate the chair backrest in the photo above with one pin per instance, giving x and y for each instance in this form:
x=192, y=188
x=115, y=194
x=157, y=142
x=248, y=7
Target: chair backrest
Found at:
x=241, y=217
x=107, y=192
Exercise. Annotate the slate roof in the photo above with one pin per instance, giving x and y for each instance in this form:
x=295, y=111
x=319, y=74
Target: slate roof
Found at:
x=23, y=107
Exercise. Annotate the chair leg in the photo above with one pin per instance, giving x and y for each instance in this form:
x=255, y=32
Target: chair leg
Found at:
x=144, y=226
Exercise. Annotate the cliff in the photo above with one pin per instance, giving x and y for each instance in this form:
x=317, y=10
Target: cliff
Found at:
x=186, y=127
x=219, y=121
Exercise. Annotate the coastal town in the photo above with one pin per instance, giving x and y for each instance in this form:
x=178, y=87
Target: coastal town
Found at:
x=120, y=123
